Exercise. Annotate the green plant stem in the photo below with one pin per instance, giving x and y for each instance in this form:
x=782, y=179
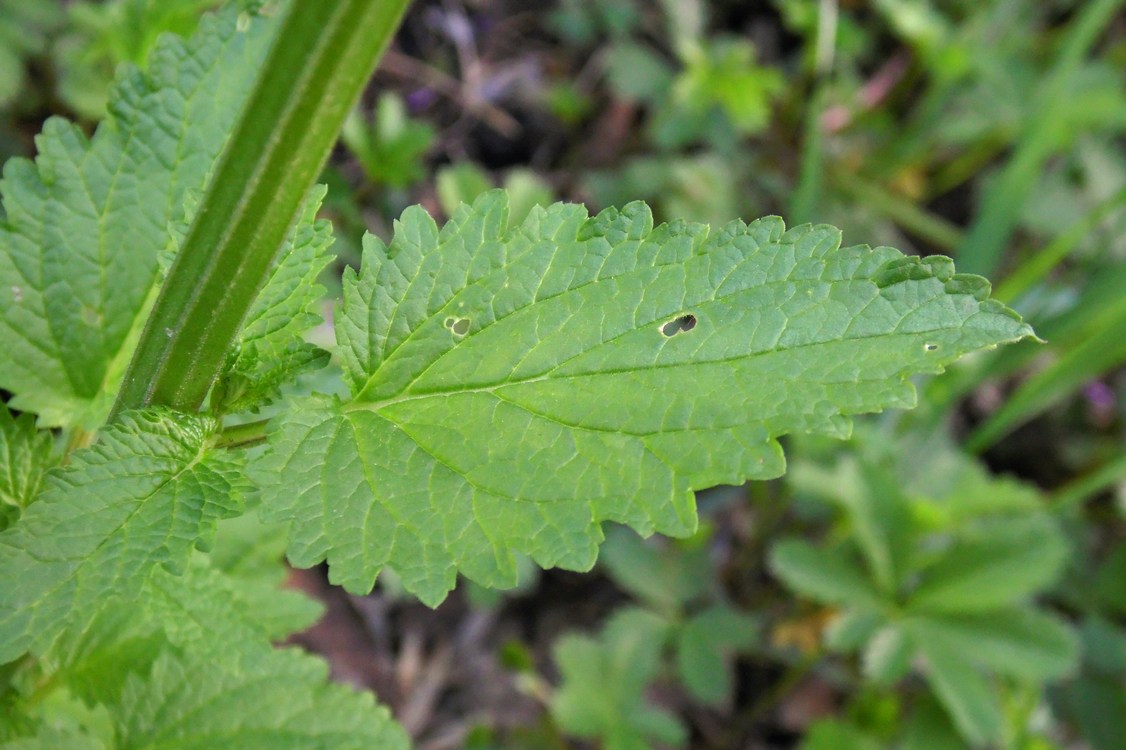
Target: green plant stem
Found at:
x=242, y=435
x=324, y=54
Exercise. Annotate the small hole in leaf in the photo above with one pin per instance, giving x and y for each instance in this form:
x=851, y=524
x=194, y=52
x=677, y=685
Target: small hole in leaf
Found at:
x=460, y=327
x=683, y=324
x=931, y=347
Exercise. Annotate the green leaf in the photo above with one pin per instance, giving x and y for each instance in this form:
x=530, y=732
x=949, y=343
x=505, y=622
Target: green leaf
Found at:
x=51, y=738
x=392, y=148
x=881, y=520
x=852, y=628
x=888, y=655
x=994, y=564
x=630, y=364
x=965, y=693
x=272, y=349
x=94, y=662
x=1018, y=642
x=829, y=734
x=666, y=578
x=830, y=576
x=930, y=729
x=604, y=682
x=703, y=648
x=145, y=495
x=25, y=454
x=1097, y=704
x=277, y=702
x=460, y=183
x=87, y=220
x=251, y=556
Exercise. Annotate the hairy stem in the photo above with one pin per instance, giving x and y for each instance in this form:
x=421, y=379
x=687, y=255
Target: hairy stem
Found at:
x=323, y=56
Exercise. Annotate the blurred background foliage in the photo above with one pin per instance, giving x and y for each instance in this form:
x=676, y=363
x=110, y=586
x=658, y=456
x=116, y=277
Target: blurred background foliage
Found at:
x=950, y=577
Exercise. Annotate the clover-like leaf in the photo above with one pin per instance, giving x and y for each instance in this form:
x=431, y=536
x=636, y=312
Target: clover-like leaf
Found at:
x=512, y=389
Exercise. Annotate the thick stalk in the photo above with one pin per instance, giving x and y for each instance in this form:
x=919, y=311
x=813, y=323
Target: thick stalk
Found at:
x=324, y=54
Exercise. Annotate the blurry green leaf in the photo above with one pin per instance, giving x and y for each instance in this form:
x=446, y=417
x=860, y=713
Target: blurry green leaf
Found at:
x=25, y=454
x=930, y=728
x=526, y=190
x=993, y=564
x=685, y=21
x=703, y=648
x=852, y=628
x=964, y=692
x=916, y=21
x=604, y=682
x=1110, y=581
x=881, y=522
x=102, y=35
x=663, y=575
x=391, y=149
x=1104, y=646
x=637, y=72
x=461, y=183
x=54, y=738
x=1017, y=642
x=24, y=28
x=723, y=76
x=830, y=576
x=582, y=21
x=1097, y=704
x=829, y=734
x=702, y=187
x=888, y=655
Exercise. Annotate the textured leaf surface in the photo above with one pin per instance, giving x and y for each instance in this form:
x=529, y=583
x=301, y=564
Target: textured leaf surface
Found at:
x=88, y=219
x=25, y=454
x=272, y=349
x=280, y=702
x=512, y=389
x=146, y=494
x=188, y=665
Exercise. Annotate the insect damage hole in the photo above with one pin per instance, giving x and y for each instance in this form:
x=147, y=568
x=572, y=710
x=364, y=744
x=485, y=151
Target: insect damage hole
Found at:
x=459, y=326
x=681, y=324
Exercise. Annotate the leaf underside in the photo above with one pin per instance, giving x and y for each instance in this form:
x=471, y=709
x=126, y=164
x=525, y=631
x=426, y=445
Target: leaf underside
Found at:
x=513, y=389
